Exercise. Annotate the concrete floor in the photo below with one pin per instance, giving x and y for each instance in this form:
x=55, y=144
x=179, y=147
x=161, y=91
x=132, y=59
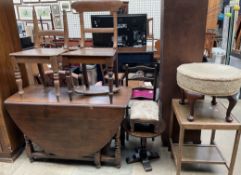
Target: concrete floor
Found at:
x=163, y=166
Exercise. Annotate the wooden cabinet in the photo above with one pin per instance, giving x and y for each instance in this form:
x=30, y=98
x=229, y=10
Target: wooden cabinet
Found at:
x=11, y=139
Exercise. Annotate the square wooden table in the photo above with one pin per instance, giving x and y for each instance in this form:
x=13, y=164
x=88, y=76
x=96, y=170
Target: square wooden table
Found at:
x=39, y=56
x=207, y=117
x=85, y=56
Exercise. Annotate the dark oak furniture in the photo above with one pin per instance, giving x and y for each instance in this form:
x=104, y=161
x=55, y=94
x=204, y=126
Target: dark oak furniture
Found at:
x=207, y=118
x=142, y=118
x=79, y=129
x=11, y=138
x=179, y=18
x=85, y=56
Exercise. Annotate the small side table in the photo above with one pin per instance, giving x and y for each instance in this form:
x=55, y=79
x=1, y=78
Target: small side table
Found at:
x=39, y=56
x=207, y=118
x=85, y=56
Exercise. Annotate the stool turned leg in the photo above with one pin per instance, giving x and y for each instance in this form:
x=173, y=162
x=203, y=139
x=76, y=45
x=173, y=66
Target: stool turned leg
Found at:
x=110, y=82
x=192, y=97
x=232, y=102
x=182, y=100
x=214, y=101
x=55, y=67
x=18, y=77
x=69, y=84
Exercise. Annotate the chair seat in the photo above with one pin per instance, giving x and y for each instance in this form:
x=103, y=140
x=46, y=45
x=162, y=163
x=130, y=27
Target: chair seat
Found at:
x=91, y=51
x=147, y=110
x=209, y=79
x=40, y=52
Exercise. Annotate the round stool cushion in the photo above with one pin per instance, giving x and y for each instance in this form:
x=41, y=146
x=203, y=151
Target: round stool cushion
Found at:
x=209, y=79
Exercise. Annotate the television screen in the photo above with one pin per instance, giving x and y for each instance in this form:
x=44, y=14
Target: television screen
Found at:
x=132, y=30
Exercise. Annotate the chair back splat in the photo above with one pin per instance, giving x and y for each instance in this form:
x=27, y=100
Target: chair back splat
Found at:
x=97, y=5
x=143, y=74
x=39, y=35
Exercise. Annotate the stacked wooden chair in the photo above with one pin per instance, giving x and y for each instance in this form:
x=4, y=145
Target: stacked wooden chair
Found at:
x=101, y=56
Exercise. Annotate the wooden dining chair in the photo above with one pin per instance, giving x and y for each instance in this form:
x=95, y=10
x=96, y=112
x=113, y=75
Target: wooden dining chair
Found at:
x=50, y=39
x=101, y=56
x=142, y=118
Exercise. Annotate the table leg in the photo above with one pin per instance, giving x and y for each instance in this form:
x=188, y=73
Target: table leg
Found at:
x=110, y=83
x=69, y=84
x=29, y=148
x=18, y=76
x=235, y=150
x=171, y=124
x=179, y=155
x=118, y=149
x=212, y=137
x=55, y=67
x=116, y=72
x=214, y=101
x=42, y=75
x=85, y=75
x=232, y=102
x=97, y=159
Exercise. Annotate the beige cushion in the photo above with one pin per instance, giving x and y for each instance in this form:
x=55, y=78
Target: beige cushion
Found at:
x=144, y=110
x=209, y=79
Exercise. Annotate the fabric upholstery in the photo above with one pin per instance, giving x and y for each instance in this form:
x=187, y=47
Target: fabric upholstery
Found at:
x=144, y=110
x=209, y=79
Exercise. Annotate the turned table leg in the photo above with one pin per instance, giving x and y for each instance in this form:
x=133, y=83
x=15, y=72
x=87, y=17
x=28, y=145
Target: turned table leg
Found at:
x=116, y=71
x=85, y=76
x=55, y=67
x=110, y=83
x=232, y=102
x=69, y=84
x=118, y=149
x=97, y=159
x=42, y=74
x=29, y=148
x=18, y=76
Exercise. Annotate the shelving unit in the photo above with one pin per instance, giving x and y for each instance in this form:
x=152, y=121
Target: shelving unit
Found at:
x=207, y=117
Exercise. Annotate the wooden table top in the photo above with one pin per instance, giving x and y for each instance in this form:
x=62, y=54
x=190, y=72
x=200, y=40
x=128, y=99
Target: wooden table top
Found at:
x=37, y=95
x=90, y=51
x=39, y=52
x=144, y=49
x=206, y=116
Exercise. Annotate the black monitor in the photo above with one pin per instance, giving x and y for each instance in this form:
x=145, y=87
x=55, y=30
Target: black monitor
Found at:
x=132, y=30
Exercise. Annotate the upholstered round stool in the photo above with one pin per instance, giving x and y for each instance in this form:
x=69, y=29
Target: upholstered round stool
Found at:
x=216, y=80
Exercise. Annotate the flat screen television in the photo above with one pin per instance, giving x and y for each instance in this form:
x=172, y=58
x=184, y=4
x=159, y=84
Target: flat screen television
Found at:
x=132, y=30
